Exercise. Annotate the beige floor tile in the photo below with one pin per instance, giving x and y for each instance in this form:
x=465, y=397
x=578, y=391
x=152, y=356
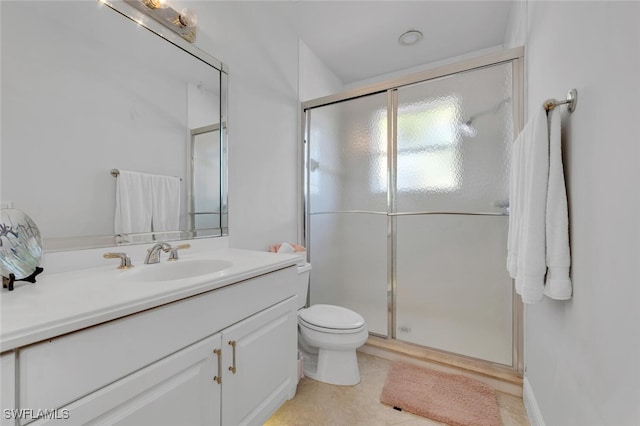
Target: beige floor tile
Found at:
x=320, y=404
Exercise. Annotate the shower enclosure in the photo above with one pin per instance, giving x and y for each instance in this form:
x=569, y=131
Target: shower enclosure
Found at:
x=406, y=204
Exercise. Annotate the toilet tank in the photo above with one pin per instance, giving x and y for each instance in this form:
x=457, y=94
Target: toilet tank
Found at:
x=302, y=285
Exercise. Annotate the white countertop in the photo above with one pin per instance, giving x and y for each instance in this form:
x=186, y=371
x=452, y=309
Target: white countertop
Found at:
x=69, y=301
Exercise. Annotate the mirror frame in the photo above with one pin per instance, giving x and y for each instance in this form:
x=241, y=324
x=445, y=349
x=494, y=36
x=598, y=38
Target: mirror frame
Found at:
x=97, y=241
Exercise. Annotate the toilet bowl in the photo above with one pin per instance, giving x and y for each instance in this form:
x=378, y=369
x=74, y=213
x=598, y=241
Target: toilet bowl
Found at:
x=328, y=337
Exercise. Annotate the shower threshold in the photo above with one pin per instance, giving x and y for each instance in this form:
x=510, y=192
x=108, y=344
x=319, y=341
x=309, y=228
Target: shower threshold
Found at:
x=501, y=378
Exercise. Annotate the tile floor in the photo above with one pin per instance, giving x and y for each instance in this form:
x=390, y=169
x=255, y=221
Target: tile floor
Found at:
x=321, y=404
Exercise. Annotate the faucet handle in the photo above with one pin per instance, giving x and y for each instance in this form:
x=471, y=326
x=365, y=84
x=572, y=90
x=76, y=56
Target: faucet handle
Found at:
x=174, y=251
x=125, y=260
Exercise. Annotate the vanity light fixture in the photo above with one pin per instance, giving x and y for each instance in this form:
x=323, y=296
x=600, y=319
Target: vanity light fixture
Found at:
x=410, y=38
x=183, y=23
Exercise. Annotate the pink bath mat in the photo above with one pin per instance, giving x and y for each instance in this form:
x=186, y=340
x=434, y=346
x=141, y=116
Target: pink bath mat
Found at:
x=449, y=398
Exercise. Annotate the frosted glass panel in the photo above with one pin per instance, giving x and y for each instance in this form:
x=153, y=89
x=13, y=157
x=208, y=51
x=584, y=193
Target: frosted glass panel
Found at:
x=346, y=142
x=453, y=135
x=453, y=290
x=349, y=261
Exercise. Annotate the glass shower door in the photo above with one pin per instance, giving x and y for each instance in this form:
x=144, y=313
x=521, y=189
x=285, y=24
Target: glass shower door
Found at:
x=452, y=291
x=347, y=206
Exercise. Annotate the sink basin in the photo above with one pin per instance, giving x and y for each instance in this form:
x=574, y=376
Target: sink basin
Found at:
x=176, y=270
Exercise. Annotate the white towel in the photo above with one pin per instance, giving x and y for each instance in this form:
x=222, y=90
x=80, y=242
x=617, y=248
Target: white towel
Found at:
x=133, y=203
x=558, y=283
x=538, y=234
x=166, y=203
x=516, y=192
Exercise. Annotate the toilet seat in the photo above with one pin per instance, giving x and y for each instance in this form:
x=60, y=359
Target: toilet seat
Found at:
x=331, y=319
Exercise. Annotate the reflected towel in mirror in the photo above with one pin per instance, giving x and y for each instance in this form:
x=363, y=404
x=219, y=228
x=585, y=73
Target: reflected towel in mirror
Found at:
x=166, y=203
x=133, y=203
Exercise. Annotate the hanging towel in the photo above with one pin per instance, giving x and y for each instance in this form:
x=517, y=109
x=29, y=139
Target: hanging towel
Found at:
x=133, y=203
x=165, y=203
x=558, y=283
x=538, y=234
x=516, y=195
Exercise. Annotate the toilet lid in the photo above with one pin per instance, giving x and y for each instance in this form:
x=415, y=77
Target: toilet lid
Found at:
x=329, y=316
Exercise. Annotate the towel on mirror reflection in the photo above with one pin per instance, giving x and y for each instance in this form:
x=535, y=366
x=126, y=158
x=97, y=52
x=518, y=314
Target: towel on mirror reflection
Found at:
x=133, y=203
x=165, y=203
x=538, y=235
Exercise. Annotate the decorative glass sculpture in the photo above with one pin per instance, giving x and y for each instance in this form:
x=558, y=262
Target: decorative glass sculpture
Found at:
x=20, y=244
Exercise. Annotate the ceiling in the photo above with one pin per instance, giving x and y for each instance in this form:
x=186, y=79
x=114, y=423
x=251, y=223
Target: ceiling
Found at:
x=358, y=40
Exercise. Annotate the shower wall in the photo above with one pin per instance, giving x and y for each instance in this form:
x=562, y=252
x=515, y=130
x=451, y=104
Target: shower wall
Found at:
x=406, y=210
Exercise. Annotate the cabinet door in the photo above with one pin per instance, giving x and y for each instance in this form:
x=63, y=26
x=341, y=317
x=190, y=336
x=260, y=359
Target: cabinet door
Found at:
x=7, y=388
x=264, y=374
x=177, y=390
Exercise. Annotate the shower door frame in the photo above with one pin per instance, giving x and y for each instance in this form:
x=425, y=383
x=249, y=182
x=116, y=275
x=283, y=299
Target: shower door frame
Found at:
x=514, y=56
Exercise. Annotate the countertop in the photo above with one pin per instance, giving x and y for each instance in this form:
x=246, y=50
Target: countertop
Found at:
x=69, y=301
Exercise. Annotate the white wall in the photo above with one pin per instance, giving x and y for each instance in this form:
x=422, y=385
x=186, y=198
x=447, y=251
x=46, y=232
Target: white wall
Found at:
x=582, y=356
x=316, y=79
x=262, y=56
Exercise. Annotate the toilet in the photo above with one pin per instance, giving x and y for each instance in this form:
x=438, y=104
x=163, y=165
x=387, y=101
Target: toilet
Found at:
x=328, y=337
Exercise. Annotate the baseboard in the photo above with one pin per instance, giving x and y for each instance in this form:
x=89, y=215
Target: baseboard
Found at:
x=531, y=405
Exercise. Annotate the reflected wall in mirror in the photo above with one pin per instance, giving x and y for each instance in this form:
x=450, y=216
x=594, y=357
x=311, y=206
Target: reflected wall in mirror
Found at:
x=86, y=90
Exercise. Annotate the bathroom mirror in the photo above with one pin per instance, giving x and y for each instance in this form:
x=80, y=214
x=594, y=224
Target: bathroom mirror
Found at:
x=89, y=87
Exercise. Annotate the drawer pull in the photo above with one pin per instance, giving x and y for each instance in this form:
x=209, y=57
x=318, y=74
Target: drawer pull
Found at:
x=218, y=378
x=233, y=367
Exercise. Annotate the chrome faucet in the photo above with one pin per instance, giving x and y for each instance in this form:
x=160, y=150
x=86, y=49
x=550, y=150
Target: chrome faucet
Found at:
x=153, y=254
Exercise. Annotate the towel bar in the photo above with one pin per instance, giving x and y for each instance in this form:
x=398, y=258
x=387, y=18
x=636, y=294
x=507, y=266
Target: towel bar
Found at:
x=116, y=173
x=572, y=100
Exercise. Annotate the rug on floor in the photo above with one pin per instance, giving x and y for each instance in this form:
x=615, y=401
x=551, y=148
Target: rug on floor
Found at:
x=449, y=398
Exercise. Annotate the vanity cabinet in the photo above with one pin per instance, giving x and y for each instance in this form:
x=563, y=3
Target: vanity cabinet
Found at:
x=177, y=390
x=225, y=357
x=260, y=368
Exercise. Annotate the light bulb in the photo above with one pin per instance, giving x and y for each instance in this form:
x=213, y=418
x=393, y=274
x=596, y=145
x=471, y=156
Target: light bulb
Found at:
x=155, y=4
x=188, y=18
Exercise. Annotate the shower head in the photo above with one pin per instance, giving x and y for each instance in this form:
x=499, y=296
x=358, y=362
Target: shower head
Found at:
x=487, y=111
x=468, y=130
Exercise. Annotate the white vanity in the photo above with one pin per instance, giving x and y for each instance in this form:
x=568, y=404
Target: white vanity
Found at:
x=106, y=346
